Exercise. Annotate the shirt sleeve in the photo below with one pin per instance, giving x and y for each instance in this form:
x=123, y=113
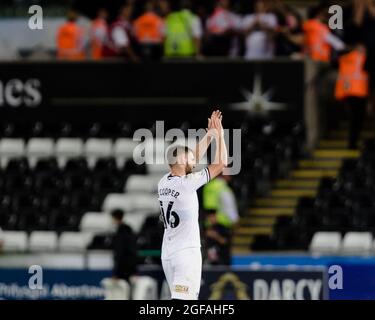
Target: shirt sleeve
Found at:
x=196, y=28
x=196, y=180
x=335, y=42
x=120, y=37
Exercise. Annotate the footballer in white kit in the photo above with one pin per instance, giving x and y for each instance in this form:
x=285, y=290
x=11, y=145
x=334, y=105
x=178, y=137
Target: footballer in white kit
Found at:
x=181, y=254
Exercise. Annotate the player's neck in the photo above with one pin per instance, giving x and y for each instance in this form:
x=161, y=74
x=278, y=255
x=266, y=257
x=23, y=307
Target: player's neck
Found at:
x=178, y=171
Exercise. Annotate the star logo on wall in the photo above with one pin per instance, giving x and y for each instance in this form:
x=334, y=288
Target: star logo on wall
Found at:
x=257, y=101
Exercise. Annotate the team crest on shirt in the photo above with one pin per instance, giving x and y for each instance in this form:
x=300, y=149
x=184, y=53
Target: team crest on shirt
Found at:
x=181, y=289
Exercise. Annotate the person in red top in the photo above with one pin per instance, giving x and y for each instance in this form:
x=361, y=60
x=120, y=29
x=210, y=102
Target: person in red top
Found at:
x=120, y=40
x=98, y=34
x=221, y=26
x=149, y=32
x=70, y=39
x=318, y=40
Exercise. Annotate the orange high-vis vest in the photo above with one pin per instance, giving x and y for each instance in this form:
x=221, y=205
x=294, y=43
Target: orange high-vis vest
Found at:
x=148, y=28
x=70, y=42
x=98, y=36
x=315, y=44
x=352, y=79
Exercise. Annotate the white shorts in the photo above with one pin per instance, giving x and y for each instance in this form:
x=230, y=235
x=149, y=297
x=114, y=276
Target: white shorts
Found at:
x=183, y=272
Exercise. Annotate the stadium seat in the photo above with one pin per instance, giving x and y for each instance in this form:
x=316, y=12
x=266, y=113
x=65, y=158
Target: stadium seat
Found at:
x=43, y=241
x=67, y=148
x=326, y=243
x=10, y=149
x=123, y=150
x=115, y=201
x=135, y=219
x=14, y=241
x=96, y=222
x=142, y=183
x=97, y=148
x=144, y=288
x=38, y=148
x=357, y=243
x=148, y=202
x=74, y=241
x=115, y=289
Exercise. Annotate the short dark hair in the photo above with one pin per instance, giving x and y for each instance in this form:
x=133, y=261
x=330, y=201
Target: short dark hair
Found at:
x=174, y=151
x=117, y=214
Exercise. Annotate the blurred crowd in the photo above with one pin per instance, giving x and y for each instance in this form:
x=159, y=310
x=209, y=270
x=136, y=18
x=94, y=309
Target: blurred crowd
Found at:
x=261, y=29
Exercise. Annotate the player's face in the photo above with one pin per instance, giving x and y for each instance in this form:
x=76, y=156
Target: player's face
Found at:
x=190, y=163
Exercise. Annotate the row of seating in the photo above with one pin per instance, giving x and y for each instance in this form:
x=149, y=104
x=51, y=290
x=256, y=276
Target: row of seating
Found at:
x=333, y=243
x=92, y=223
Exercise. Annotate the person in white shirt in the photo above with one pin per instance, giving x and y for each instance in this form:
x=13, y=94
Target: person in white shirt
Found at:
x=181, y=253
x=258, y=29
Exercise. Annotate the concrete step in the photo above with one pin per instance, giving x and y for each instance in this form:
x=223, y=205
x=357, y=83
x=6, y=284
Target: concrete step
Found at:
x=271, y=212
x=291, y=193
x=297, y=183
x=318, y=174
x=257, y=221
x=319, y=164
x=252, y=231
x=276, y=202
x=335, y=154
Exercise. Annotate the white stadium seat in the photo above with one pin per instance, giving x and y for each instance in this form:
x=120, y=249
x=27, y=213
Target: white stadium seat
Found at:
x=11, y=148
x=357, y=243
x=144, y=288
x=14, y=241
x=115, y=289
x=38, y=148
x=143, y=183
x=118, y=201
x=123, y=150
x=147, y=202
x=97, y=148
x=67, y=148
x=96, y=222
x=43, y=241
x=74, y=241
x=326, y=242
x=135, y=219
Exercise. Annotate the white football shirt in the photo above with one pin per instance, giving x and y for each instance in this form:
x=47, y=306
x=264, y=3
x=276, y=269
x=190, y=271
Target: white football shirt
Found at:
x=180, y=211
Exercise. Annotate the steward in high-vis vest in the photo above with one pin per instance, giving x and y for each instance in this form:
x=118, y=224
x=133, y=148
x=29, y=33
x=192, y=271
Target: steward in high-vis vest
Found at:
x=183, y=34
x=318, y=40
x=218, y=196
x=149, y=32
x=352, y=88
x=70, y=39
x=98, y=34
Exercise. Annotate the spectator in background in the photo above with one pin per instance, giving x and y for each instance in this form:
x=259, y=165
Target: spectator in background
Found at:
x=352, y=87
x=318, y=39
x=70, y=39
x=149, y=33
x=218, y=196
x=124, y=249
x=363, y=22
x=164, y=8
x=289, y=38
x=221, y=25
x=183, y=33
x=120, y=42
x=98, y=34
x=218, y=241
x=259, y=31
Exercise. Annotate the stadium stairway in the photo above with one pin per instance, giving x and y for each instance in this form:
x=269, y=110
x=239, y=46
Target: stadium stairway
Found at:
x=303, y=181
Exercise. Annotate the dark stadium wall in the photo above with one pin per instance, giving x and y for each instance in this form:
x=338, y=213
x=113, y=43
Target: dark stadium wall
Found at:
x=138, y=93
